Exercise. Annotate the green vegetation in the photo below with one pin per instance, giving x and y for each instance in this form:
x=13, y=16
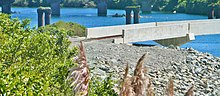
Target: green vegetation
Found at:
x=65, y=3
x=102, y=88
x=37, y=61
x=185, y=6
x=72, y=29
x=33, y=62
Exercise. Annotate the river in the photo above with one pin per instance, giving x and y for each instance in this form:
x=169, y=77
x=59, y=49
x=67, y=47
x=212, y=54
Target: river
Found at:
x=88, y=17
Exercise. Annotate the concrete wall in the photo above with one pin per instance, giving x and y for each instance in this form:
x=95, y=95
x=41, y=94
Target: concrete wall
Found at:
x=157, y=30
x=205, y=27
x=98, y=32
x=155, y=33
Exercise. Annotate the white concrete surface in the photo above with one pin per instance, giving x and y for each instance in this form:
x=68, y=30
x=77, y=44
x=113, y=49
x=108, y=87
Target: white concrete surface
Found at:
x=98, y=32
x=155, y=33
x=205, y=27
x=176, y=32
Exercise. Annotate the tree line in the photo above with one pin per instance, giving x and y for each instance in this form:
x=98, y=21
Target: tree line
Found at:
x=185, y=6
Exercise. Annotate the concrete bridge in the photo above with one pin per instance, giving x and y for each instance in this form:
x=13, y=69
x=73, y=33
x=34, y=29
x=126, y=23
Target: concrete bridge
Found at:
x=6, y=6
x=165, y=33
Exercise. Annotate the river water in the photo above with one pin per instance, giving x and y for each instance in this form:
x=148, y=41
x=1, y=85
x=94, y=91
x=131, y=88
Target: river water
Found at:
x=88, y=17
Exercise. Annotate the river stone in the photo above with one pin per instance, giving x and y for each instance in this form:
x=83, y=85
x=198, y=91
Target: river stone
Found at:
x=186, y=67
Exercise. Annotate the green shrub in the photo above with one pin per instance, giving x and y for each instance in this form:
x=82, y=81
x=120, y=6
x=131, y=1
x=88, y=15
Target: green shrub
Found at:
x=98, y=87
x=33, y=62
x=72, y=29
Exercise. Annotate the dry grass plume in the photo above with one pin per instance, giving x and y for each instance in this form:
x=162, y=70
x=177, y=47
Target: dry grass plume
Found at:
x=79, y=76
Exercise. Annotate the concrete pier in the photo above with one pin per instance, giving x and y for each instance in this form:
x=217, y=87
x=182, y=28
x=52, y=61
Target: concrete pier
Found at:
x=102, y=8
x=211, y=13
x=41, y=16
x=6, y=6
x=40, y=13
x=47, y=16
x=136, y=11
x=128, y=15
x=136, y=15
x=218, y=13
x=55, y=6
x=146, y=6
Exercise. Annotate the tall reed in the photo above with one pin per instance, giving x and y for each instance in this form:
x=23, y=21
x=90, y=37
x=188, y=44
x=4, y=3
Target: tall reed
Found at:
x=79, y=76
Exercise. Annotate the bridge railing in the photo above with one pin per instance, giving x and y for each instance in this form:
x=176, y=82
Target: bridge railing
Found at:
x=155, y=33
x=99, y=32
x=156, y=30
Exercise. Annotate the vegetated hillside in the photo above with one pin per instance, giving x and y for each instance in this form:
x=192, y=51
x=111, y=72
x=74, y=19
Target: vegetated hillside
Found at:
x=185, y=6
x=65, y=3
x=72, y=29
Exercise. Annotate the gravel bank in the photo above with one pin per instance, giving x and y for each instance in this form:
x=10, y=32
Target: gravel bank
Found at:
x=186, y=67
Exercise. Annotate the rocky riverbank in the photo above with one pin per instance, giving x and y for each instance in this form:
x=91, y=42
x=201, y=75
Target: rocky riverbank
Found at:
x=187, y=67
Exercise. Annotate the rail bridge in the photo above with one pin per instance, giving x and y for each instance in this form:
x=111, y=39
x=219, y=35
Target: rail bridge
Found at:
x=165, y=33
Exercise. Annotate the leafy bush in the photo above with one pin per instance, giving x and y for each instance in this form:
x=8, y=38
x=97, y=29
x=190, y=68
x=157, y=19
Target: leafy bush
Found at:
x=72, y=29
x=100, y=87
x=33, y=62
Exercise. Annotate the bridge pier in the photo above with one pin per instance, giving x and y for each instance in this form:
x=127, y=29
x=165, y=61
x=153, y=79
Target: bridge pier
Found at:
x=176, y=41
x=6, y=6
x=55, y=6
x=136, y=15
x=40, y=13
x=136, y=11
x=47, y=16
x=128, y=16
x=218, y=13
x=102, y=8
x=211, y=13
x=146, y=6
x=41, y=16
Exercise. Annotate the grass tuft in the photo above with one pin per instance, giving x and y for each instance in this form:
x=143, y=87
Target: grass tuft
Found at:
x=80, y=75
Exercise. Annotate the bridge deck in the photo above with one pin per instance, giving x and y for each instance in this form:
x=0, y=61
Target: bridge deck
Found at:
x=156, y=30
